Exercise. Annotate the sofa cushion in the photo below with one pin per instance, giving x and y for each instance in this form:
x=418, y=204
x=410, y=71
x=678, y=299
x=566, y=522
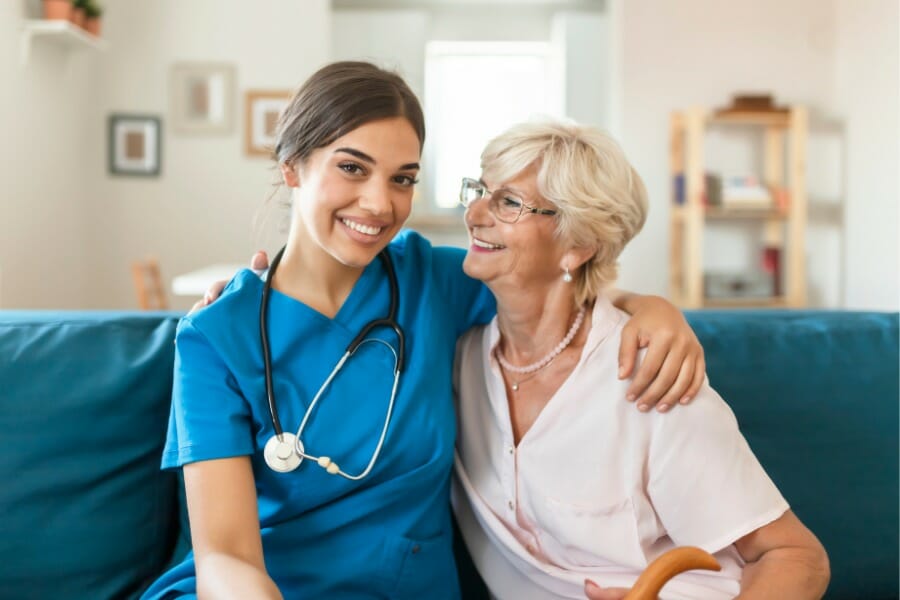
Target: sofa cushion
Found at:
x=816, y=395
x=86, y=512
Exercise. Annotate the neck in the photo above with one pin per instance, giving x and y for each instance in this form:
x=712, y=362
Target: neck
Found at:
x=309, y=274
x=531, y=325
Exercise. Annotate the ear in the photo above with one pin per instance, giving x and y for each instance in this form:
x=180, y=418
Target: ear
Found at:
x=575, y=257
x=289, y=175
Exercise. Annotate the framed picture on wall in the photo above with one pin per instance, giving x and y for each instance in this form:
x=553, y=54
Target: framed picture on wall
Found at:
x=263, y=108
x=135, y=145
x=202, y=97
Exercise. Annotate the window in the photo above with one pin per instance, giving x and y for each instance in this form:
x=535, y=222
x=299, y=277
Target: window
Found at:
x=473, y=91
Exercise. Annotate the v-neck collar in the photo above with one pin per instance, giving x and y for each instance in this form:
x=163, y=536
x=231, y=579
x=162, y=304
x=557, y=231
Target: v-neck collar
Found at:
x=349, y=309
x=604, y=319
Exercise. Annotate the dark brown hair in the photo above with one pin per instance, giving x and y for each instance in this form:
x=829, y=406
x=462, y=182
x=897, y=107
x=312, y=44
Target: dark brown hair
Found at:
x=337, y=99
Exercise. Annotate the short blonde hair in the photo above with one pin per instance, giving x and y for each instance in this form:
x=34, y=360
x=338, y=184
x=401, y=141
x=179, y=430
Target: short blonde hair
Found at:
x=600, y=198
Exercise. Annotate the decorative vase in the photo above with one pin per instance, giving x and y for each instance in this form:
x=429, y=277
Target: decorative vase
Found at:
x=58, y=10
x=78, y=16
x=92, y=26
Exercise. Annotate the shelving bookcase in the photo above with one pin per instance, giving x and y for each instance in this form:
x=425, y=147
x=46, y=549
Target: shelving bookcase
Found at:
x=783, y=227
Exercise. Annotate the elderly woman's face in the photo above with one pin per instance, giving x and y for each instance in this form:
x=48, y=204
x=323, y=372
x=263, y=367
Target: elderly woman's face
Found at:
x=523, y=253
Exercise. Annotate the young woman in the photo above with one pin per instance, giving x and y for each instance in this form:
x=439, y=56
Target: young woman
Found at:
x=312, y=412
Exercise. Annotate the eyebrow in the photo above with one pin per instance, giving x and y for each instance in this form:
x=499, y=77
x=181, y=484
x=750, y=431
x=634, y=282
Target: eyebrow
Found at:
x=365, y=157
x=507, y=188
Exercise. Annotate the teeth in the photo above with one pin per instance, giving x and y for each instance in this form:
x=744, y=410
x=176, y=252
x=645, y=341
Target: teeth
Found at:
x=366, y=229
x=481, y=244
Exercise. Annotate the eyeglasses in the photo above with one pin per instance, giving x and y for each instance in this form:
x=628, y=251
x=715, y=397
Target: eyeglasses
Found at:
x=503, y=204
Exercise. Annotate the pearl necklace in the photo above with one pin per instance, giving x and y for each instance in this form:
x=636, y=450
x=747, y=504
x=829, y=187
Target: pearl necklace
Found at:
x=546, y=360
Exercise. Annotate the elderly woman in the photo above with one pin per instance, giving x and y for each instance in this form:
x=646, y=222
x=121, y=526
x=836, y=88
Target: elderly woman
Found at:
x=562, y=489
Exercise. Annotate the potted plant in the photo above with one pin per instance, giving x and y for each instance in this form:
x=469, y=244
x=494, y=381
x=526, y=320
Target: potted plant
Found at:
x=58, y=9
x=78, y=12
x=93, y=11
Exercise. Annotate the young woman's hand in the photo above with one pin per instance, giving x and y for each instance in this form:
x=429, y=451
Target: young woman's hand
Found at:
x=673, y=369
x=259, y=262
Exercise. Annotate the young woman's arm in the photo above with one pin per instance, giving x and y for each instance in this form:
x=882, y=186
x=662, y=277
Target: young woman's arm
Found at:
x=674, y=368
x=784, y=560
x=221, y=499
x=672, y=371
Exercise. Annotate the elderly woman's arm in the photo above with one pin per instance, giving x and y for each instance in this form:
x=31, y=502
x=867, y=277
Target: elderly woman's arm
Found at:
x=674, y=368
x=784, y=560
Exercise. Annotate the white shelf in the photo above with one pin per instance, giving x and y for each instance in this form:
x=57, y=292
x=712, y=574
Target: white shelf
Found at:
x=60, y=33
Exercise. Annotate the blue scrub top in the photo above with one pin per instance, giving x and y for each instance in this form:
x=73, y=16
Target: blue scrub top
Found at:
x=388, y=535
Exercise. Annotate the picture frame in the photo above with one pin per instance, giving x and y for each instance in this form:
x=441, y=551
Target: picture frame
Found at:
x=202, y=97
x=135, y=145
x=262, y=109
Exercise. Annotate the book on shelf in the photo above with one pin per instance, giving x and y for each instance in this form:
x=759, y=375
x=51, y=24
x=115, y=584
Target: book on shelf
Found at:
x=710, y=195
x=746, y=192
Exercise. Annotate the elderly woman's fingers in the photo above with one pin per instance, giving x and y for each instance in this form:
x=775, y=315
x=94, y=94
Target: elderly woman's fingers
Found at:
x=197, y=306
x=595, y=592
x=664, y=380
x=214, y=291
x=679, y=388
x=259, y=261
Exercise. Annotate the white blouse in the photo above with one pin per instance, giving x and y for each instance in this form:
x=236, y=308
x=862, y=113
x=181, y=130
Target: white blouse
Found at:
x=596, y=488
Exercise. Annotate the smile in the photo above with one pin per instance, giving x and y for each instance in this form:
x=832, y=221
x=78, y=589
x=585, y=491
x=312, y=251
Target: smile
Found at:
x=365, y=229
x=486, y=245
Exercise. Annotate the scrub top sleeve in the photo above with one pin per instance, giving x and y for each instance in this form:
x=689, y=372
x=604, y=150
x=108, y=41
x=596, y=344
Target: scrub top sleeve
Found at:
x=468, y=301
x=705, y=483
x=209, y=417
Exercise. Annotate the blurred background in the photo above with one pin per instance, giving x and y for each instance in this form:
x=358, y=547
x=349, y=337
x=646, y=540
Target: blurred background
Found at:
x=135, y=148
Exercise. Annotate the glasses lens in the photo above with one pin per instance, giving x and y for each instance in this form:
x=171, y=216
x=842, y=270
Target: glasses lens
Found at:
x=506, y=206
x=470, y=192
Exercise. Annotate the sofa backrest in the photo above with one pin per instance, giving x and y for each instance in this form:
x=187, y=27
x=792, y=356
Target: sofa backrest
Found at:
x=85, y=511
x=816, y=396
x=84, y=399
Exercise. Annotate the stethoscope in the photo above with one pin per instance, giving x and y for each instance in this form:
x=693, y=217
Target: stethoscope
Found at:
x=285, y=451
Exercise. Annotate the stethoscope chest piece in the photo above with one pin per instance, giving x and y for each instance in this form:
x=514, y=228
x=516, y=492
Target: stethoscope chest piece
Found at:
x=281, y=454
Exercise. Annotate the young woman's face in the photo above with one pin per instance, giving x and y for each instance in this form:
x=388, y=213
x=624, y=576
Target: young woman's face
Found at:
x=354, y=195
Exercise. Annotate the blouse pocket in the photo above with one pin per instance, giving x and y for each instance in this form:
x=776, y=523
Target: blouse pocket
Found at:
x=590, y=536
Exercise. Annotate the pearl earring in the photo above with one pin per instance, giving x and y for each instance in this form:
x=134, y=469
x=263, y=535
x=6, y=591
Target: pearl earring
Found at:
x=567, y=277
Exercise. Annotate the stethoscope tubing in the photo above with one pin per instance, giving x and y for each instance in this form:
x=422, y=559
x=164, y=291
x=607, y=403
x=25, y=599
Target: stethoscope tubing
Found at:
x=390, y=321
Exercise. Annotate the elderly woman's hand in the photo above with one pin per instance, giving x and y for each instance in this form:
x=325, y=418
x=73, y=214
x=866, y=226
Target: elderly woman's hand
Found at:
x=673, y=368
x=259, y=262
x=595, y=592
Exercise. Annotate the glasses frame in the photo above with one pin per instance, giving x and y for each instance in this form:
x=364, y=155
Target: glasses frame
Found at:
x=469, y=183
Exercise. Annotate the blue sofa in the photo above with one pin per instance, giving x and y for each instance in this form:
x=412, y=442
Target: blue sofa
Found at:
x=84, y=399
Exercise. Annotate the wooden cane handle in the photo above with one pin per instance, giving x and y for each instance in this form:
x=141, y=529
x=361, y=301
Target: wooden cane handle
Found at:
x=667, y=566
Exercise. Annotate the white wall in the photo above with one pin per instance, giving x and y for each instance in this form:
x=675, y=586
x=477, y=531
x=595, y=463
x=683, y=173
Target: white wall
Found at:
x=699, y=52
x=867, y=92
x=201, y=209
x=68, y=230
x=46, y=114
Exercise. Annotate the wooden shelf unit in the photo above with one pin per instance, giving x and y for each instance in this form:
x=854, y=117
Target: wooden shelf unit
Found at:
x=783, y=227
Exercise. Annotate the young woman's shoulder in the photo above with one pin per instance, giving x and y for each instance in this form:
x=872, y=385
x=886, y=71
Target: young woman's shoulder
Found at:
x=412, y=247
x=439, y=268
x=237, y=308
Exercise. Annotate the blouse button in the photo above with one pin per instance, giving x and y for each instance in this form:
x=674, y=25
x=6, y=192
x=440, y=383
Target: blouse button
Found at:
x=415, y=549
x=512, y=449
x=510, y=504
